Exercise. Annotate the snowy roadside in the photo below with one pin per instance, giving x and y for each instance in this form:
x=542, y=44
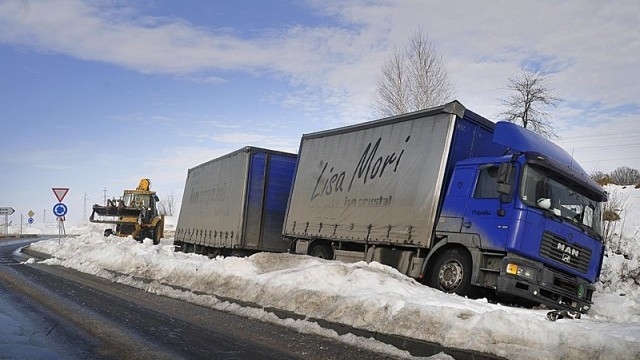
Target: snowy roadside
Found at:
x=371, y=296
x=374, y=297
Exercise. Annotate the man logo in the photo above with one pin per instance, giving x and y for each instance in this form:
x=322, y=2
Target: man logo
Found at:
x=568, y=250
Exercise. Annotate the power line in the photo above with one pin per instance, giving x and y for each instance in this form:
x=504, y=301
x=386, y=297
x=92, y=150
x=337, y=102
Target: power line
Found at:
x=617, y=135
x=84, y=210
x=612, y=133
x=625, y=146
x=609, y=159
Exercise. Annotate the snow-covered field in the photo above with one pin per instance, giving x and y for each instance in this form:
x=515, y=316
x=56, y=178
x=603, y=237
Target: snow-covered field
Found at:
x=373, y=296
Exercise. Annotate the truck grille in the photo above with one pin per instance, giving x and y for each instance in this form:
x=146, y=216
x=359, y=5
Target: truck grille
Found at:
x=556, y=248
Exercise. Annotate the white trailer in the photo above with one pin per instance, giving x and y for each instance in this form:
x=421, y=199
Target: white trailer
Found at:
x=236, y=203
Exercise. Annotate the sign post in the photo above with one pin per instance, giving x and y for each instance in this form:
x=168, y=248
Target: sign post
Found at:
x=60, y=209
x=6, y=211
x=30, y=220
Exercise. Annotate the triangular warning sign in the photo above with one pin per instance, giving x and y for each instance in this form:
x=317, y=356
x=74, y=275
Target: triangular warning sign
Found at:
x=60, y=193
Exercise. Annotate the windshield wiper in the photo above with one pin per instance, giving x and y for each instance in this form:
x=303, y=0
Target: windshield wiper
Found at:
x=550, y=214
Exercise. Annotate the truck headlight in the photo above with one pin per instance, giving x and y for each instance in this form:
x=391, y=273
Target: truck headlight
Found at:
x=581, y=291
x=522, y=271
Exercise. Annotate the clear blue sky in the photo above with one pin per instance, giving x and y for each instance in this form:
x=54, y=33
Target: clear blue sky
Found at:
x=95, y=95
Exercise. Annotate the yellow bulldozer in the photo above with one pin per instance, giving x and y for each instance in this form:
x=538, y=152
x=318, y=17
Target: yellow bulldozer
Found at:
x=135, y=213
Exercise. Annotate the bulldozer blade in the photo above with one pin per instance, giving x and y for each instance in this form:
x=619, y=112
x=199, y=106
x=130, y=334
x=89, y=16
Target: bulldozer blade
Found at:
x=115, y=211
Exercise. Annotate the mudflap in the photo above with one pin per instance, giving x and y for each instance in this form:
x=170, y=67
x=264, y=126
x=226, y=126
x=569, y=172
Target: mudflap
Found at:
x=563, y=314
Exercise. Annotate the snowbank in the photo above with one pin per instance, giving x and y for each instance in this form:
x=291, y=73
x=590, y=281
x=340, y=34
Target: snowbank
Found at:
x=85, y=227
x=368, y=296
x=618, y=294
x=376, y=297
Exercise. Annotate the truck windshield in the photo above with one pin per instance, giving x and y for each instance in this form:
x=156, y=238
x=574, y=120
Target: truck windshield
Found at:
x=547, y=190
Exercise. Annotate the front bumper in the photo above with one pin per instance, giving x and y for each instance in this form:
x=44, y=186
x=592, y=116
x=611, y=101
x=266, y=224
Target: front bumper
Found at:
x=544, y=285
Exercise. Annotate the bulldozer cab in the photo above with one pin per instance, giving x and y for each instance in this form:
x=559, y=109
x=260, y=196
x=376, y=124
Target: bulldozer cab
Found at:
x=134, y=200
x=144, y=201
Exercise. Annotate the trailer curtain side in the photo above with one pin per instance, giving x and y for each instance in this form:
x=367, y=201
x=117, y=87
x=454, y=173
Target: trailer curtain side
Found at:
x=237, y=201
x=383, y=181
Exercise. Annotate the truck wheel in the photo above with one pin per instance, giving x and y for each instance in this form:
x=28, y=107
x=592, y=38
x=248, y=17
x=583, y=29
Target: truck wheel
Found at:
x=451, y=272
x=145, y=234
x=322, y=251
x=156, y=235
x=108, y=232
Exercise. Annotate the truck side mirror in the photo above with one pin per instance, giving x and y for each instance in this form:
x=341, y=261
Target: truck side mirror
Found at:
x=504, y=181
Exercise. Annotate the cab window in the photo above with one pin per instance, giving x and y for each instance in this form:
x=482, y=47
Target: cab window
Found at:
x=487, y=185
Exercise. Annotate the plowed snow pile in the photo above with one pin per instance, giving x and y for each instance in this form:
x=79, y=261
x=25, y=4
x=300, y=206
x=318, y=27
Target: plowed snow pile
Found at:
x=372, y=296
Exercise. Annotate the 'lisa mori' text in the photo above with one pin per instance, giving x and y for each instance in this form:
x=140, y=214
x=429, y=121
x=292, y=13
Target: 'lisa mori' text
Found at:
x=371, y=166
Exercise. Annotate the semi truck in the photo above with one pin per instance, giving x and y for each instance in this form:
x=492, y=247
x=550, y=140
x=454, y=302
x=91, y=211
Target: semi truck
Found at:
x=235, y=204
x=451, y=199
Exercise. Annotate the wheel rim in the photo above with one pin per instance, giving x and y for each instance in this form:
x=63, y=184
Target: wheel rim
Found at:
x=451, y=275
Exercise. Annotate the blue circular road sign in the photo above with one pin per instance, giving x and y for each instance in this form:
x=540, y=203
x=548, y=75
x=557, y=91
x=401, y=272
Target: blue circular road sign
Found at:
x=30, y=220
x=59, y=209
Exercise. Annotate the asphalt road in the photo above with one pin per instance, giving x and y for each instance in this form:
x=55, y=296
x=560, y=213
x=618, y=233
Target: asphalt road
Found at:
x=50, y=312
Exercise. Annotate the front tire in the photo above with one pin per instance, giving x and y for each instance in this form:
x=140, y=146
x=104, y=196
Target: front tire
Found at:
x=451, y=272
x=146, y=233
x=156, y=235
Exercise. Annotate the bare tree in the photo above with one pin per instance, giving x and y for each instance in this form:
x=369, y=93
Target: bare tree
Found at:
x=614, y=213
x=600, y=177
x=412, y=78
x=529, y=102
x=625, y=175
x=167, y=205
x=610, y=217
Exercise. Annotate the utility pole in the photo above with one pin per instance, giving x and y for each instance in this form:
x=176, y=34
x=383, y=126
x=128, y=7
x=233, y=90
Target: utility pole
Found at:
x=105, y=196
x=84, y=210
x=44, y=216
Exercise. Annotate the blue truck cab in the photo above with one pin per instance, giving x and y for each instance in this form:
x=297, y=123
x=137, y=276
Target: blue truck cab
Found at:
x=530, y=217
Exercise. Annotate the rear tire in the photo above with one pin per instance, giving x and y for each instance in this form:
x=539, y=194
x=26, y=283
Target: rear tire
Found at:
x=322, y=251
x=451, y=272
x=239, y=253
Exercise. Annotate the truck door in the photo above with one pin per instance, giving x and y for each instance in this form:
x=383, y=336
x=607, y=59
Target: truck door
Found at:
x=486, y=214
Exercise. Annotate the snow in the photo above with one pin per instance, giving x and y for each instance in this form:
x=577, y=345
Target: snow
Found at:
x=372, y=296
